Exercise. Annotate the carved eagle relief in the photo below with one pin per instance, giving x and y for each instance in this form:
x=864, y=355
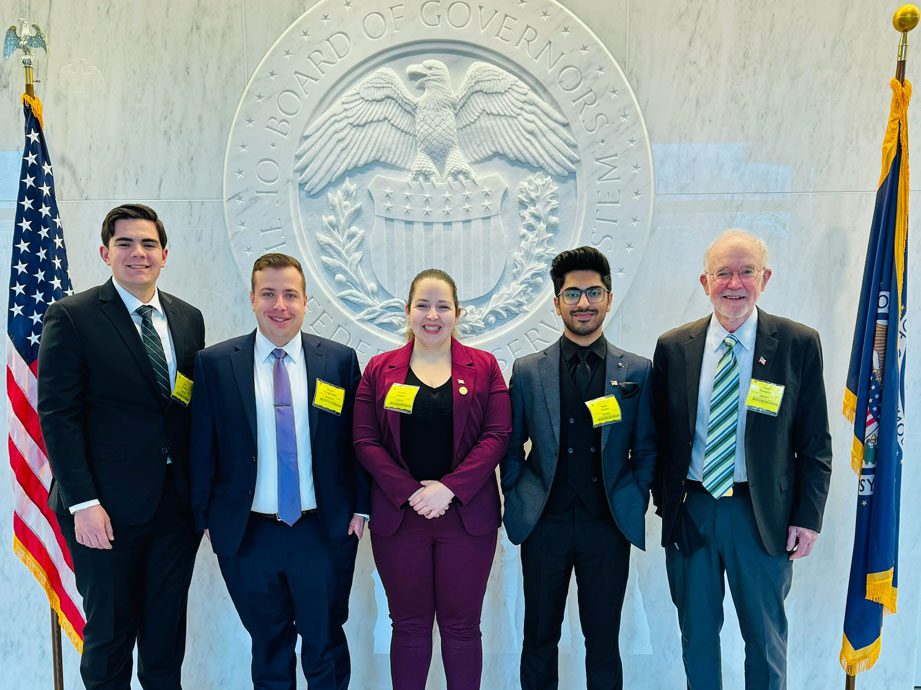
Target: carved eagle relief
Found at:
x=439, y=134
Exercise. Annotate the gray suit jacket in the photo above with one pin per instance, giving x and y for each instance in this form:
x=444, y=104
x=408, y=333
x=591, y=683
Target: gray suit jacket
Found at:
x=628, y=447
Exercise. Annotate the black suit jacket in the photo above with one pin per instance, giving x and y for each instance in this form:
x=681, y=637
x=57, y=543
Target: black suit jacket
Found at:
x=224, y=445
x=787, y=457
x=628, y=448
x=107, y=428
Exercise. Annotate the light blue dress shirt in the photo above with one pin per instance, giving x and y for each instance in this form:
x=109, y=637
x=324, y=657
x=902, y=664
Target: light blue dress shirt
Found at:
x=713, y=350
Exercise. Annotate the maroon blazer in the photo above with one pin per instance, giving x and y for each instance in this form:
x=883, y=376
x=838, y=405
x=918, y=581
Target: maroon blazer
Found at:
x=482, y=424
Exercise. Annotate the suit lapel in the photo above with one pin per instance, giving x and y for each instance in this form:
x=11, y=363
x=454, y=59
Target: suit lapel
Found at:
x=765, y=349
x=117, y=313
x=693, y=358
x=241, y=362
x=315, y=361
x=612, y=373
x=177, y=328
x=463, y=375
x=395, y=373
x=549, y=368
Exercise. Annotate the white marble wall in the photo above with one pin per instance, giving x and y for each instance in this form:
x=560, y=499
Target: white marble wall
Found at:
x=767, y=116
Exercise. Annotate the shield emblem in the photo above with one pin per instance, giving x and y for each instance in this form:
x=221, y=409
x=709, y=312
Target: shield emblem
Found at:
x=453, y=225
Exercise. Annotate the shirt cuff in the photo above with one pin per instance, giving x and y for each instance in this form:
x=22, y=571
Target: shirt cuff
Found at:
x=362, y=515
x=80, y=506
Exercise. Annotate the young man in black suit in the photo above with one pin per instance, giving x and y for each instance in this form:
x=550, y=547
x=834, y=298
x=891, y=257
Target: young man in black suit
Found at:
x=114, y=379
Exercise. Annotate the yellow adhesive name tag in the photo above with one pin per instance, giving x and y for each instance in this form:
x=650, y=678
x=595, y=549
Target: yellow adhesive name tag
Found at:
x=604, y=410
x=183, y=389
x=328, y=397
x=764, y=397
x=400, y=398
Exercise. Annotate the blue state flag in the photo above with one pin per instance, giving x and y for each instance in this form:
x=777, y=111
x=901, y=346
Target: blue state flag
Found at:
x=874, y=402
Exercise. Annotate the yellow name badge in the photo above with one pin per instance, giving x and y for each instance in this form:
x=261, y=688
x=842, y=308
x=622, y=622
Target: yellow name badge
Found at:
x=764, y=397
x=400, y=398
x=604, y=410
x=329, y=397
x=183, y=389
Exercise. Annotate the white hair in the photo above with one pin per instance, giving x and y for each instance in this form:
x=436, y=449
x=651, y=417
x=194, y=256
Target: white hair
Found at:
x=759, y=245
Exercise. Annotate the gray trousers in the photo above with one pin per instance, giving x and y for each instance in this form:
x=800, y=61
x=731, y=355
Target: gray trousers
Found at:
x=759, y=584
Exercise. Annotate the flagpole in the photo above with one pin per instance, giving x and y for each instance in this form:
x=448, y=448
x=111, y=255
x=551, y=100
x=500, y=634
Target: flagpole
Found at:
x=904, y=20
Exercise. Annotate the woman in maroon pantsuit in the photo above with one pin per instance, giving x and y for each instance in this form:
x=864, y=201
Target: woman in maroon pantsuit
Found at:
x=432, y=456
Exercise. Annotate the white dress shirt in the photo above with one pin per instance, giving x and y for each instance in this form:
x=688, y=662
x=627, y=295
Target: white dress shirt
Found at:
x=265, y=498
x=713, y=350
x=160, y=324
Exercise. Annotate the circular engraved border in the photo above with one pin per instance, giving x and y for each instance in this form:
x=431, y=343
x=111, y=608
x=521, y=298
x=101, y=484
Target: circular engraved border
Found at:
x=607, y=202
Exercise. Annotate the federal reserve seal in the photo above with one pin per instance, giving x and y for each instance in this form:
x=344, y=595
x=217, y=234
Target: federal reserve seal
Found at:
x=376, y=140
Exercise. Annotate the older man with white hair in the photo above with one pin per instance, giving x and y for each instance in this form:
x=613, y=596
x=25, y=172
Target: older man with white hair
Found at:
x=744, y=463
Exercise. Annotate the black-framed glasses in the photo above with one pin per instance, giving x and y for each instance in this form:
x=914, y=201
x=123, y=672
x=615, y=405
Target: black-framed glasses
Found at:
x=573, y=296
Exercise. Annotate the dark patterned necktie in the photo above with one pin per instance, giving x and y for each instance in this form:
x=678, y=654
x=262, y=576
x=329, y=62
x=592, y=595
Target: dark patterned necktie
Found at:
x=154, y=347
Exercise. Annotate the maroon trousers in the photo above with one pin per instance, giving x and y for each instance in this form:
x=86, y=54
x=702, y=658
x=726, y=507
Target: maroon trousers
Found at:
x=434, y=568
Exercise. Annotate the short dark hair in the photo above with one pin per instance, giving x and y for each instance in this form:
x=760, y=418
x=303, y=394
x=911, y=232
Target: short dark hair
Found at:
x=579, y=259
x=276, y=260
x=131, y=212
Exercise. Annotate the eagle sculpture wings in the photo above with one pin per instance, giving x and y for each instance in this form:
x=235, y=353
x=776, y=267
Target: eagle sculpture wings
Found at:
x=439, y=134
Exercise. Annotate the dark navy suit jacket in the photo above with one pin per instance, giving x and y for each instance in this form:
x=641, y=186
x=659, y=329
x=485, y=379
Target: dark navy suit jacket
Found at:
x=224, y=449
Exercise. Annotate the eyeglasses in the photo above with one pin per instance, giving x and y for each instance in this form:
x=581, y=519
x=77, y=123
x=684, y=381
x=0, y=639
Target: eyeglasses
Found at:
x=724, y=275
x=573, y=296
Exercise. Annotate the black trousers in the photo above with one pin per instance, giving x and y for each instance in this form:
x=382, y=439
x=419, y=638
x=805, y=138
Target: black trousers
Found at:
x=600, y=555
x=136, y=592
x=284, y=582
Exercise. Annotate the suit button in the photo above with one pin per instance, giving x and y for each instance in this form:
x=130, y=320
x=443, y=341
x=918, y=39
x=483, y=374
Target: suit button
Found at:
x=592, y=449
x=250, y=492
x=572, y=421
x=594, y=479
x=164, y=451
x=569, y=450
x=254, y=458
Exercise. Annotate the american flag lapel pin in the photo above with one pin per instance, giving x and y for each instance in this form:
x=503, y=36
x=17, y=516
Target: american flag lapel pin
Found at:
x=762, y=361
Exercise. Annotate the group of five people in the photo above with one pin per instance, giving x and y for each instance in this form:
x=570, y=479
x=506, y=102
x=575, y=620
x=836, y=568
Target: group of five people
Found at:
x=276, y=446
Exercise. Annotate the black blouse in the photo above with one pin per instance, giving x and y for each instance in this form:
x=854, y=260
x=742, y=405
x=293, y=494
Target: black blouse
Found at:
x=427, y=435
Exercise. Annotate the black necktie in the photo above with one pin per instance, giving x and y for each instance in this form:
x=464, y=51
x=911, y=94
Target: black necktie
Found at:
x=583, y=375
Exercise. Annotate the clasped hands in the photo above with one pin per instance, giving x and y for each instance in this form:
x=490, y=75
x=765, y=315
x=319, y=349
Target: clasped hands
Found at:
x=432, y=500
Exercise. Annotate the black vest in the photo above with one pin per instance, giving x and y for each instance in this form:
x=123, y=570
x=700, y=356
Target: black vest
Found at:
x=578, y=468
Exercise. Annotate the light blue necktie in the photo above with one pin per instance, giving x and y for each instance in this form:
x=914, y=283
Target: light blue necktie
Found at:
x=289, y=494
x=720, y=451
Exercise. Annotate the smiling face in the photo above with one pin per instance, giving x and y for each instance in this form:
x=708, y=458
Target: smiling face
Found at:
x=734, y=279
x=135, y=255
x=279, y=303
x=583, y=320
x=432, y=313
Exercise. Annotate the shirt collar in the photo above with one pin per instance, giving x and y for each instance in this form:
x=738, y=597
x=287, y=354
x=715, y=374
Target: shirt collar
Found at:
x=132, y=302
x=745, y=333
x=571, y=349
x=293, y=348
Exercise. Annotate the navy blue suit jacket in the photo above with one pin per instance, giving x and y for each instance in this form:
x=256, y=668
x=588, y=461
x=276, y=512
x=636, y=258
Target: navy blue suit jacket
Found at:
x=224, y=449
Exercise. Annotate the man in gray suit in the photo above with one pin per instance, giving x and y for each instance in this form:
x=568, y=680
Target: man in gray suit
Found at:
x=579, y=498
x=744, y=463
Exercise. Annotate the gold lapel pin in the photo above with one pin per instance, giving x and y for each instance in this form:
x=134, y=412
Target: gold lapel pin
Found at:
x=462, y=390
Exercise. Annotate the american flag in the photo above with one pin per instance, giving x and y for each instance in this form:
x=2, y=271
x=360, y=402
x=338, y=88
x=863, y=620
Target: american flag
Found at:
x=38, y=278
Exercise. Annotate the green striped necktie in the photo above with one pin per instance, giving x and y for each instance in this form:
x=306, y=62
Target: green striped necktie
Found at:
x=720, y=451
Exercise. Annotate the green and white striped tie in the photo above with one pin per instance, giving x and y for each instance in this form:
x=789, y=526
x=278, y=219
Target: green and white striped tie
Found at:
x=154, y=347
x=720, y=451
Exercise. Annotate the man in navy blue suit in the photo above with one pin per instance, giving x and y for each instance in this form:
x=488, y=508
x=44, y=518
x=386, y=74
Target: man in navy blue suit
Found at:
x=275, y=482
